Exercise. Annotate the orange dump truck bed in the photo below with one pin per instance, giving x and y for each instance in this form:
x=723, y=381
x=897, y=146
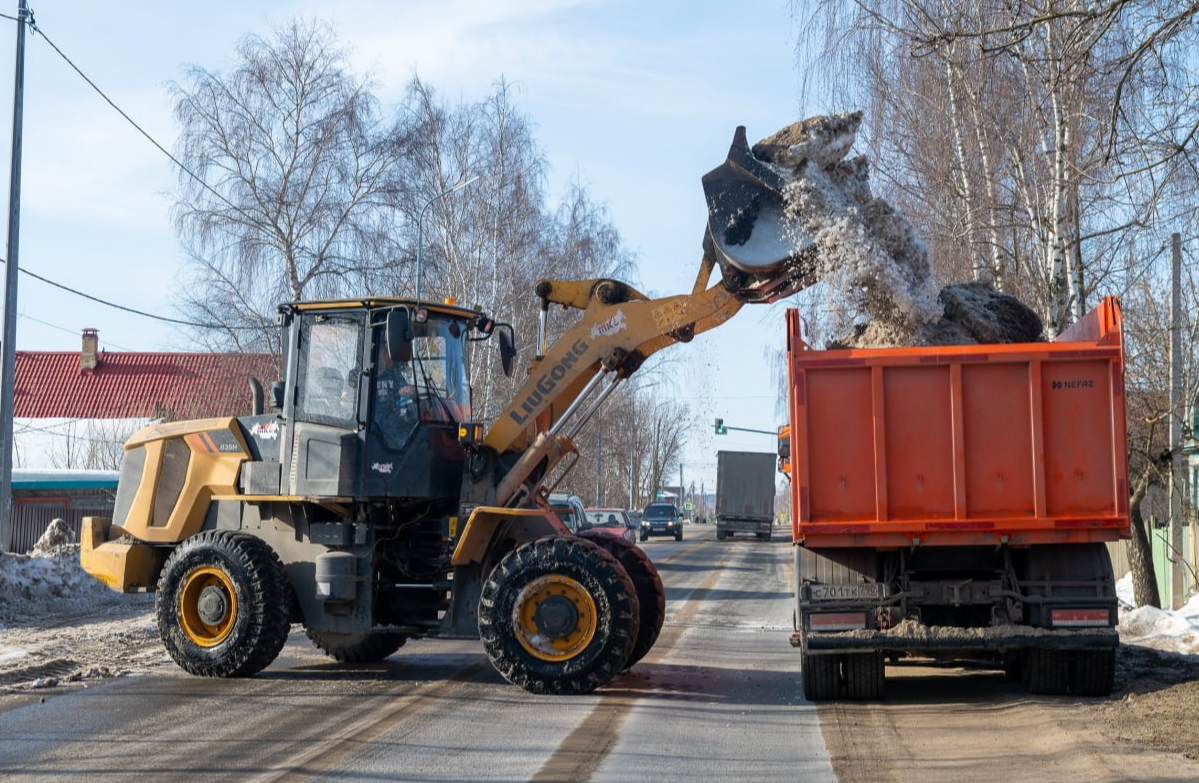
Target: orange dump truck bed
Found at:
x=961, y=445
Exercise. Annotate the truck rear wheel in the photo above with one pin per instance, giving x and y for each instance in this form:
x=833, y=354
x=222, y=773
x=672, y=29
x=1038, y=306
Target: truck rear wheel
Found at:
x=357, y=647
x=764, y=536
x=651, y=594
x=821, y=676
x=1048, y=671
x=559, y=615
x=864, y=675
x=223, y=604
x=721, y=535
x=1093, y=672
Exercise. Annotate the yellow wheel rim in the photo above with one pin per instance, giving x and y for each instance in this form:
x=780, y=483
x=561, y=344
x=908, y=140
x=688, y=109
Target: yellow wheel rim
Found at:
x=207, y=606
x=554, y=618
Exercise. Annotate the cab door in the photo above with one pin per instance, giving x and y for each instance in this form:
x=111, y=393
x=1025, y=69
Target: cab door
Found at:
x=325, y=410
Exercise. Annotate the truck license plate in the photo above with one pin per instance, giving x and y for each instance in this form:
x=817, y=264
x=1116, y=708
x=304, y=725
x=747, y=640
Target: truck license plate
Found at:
x=846, y=592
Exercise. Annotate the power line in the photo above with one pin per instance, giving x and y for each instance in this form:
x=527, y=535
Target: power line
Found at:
x=135, y=311
x=75, y=332
x=180, y=322
x=33, y=27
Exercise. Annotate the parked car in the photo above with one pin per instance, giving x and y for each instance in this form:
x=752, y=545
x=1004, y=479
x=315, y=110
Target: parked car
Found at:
x=661, y=519
x=614, y=520
x=570, y=510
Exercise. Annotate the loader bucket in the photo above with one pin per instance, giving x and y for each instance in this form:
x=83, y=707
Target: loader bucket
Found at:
x=747, y=229
x=745, y=211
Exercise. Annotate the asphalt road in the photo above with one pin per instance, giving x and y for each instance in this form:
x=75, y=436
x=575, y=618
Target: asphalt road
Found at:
x=717, y=699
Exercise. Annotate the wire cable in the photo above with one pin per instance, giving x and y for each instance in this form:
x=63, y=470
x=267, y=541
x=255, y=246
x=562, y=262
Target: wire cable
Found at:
x=135, y=311
x=199, y=180
x=75, y=332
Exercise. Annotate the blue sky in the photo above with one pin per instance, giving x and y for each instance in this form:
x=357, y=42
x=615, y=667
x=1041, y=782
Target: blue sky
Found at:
x=636, y=99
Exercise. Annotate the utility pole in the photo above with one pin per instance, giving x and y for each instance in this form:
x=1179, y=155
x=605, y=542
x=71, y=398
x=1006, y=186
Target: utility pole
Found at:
x=8, y=339
x=599, y=465
x=682, y=496
x=1176, y=477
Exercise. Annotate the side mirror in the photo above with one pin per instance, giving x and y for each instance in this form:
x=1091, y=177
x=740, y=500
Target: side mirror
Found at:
x=507, y=352
x=399, y=335
x=277, y=390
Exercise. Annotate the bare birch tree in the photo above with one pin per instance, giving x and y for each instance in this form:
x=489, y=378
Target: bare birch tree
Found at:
x=291, y=155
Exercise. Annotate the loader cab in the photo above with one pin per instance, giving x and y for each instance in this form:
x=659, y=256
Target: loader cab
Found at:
x=366, y=417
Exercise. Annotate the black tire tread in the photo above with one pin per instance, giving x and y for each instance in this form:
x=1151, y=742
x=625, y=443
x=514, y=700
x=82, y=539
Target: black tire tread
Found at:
x=265, y=602
x=573, y=677
x=1048, y=671
x=821, y=676
x=1093, y=672
x=864, y=676
x=357, y=648
x=651, y=593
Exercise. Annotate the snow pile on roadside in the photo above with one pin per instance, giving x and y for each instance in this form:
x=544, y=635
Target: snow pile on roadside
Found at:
x=49, y=584
x=1171, y=631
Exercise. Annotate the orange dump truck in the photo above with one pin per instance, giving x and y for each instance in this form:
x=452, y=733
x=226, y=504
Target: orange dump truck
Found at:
x=954, y=502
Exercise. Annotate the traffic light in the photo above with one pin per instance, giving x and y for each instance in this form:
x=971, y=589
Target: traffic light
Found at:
x=720, y=428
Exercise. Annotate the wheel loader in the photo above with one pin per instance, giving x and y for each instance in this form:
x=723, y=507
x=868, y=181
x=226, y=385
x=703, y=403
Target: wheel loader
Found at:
x=369, y=507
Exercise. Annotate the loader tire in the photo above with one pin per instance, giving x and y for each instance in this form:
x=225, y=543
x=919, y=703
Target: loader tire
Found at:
x=357, y=647
x=864, y=676
x=223, y=604
x=558, y=615
x=651, y=594
x=1048, y=671
x=1093, y=672
x=821, y=676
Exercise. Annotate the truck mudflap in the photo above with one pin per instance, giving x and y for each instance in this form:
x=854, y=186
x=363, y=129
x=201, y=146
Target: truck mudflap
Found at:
x=995, y=638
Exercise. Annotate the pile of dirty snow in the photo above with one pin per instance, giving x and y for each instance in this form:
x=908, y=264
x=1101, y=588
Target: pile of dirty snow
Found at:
x=880, y=290
x=867, y=254
x=48, y=584
x=1171, y=631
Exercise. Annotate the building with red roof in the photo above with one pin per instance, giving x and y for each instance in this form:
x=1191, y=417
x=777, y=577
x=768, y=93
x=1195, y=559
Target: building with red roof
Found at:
x=73, y=409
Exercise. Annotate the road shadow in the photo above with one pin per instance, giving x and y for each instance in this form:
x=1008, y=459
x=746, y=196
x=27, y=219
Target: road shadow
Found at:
x=398, y=668
x=721, y=594
x=713, y=688
x=677, y=567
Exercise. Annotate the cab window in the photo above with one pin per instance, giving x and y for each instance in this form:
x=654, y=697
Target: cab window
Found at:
x=330, y=365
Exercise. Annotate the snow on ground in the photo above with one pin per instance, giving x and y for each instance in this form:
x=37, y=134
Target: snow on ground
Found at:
x=1169, y=631
x=57, y=623
x=48, y=584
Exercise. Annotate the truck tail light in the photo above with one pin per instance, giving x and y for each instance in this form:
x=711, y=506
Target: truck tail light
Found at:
x=837, y=621
x=1079, y=618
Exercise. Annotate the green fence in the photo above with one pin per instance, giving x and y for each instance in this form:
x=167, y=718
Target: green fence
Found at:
x=1160, y=537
